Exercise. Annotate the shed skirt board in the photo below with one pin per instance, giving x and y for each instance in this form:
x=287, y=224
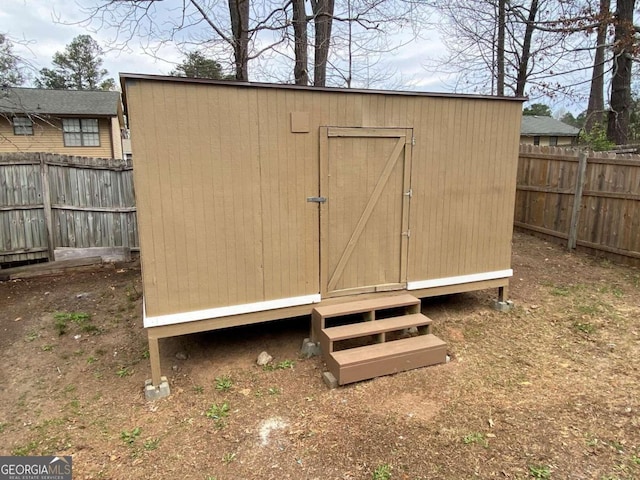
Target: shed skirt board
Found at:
x=197, y=315
x=444, y=282
x=365, y=177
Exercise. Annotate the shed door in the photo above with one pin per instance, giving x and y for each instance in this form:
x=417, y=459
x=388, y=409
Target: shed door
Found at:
x=365, y=175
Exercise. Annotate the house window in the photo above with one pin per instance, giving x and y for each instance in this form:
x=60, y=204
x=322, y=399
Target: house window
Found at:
x=536, y=140
x=22, y=126
x=81, y=132
x=553, y=141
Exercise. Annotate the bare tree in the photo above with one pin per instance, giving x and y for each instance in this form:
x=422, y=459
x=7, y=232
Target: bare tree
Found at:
x=624, y=48
x=11, y=65
x=595, y=108
x=188, y=23
x=247, y=31
x=538, y=46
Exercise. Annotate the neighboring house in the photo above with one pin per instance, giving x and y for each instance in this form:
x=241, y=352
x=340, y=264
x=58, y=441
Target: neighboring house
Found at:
x=541, y=130
x=72, y=122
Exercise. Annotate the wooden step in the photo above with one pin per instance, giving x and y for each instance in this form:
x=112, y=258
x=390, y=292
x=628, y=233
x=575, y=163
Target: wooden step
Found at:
x=367, y=307
x=363, y=329
x=361, y=306
x=372, y=361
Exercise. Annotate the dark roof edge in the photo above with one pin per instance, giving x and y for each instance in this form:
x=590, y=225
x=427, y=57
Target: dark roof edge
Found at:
x=233, y=83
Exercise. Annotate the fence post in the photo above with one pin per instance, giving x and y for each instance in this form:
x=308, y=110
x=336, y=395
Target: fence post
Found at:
x=46, y=202
x=577, y=199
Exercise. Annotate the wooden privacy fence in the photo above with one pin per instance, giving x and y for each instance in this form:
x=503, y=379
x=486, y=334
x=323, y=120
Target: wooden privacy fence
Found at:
x=590, y=199
x=49, y=201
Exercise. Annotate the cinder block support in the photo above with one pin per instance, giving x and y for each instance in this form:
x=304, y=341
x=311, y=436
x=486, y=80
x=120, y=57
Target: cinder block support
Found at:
x=502, y=304
x=310, y=348
x=153, y=392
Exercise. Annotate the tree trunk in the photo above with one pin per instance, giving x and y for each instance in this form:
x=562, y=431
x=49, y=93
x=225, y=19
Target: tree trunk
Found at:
x=620, y=102
x=323, y=20
x=595, y=108
x=523, y=68
x=500, y=47
x=300, y=69
x=239, y=14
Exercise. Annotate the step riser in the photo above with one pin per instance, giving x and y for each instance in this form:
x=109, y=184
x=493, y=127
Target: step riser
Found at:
x=383, y=358
x=389, y=366
x=367, y=308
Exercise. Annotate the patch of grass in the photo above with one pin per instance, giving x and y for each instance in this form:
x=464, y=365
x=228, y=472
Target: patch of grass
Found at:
x=273, y=391
x=199, y=389
x=82, y=320
x=129, y=437
x=634, y=458
x=133, y=294
x=31, y=336
x=151, y=444
x=382, y=472
x=283, y=365
x=228, y=457
x=47, y=348
x=218, y=413
x=617, y=446
x=475, y=437
x=540, y=471
x=584, y=327
x=25, y=450
x=560, y=291
x=223, y=383
x=91, y=360
x=124, y=372
x=2, y=427
x=74, y=406
x=593, y=442
x=145, y=354
x=210, y=477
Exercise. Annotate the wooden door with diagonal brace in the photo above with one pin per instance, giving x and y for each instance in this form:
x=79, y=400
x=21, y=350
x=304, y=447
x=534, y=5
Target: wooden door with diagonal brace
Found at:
x=365, y=175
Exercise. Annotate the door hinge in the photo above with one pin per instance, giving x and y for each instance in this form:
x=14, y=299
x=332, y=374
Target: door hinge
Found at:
x=407, y=234
x=413, y=141
x=317, y=199
x=409, y=193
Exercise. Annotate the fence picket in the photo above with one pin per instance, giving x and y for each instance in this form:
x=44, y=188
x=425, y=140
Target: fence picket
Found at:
x=602, y=189
x=49, y=201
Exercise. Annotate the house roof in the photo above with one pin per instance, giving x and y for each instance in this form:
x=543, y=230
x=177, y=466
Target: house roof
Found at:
x=59, y=102
x=538, y=125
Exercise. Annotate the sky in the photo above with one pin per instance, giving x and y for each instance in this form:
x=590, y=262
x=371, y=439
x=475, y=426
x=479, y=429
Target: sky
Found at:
x=47, y=26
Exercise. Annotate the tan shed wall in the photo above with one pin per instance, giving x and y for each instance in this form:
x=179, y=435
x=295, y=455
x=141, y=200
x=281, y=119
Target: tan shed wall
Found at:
x=221, y=185
x=47, y=137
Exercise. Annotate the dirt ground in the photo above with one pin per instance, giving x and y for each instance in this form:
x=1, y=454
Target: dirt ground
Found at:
x=549, y=390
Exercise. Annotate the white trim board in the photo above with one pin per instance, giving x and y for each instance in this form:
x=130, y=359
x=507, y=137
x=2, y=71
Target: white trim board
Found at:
x=445, y=282
x=174, y=318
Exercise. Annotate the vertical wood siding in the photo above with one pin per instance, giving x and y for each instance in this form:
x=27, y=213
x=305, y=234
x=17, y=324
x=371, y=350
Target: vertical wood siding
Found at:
x=222, y=184
x=92, y=204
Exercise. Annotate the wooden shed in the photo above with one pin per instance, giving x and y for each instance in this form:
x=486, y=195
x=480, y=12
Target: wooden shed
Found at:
x=259, y=202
